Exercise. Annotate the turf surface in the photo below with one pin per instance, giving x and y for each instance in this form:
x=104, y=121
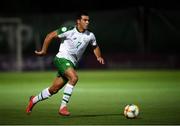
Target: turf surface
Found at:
x=98, y=98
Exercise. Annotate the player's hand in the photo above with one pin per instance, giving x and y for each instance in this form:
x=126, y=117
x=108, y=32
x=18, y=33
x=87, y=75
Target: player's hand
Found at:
x=100, y=60
x=40, y=53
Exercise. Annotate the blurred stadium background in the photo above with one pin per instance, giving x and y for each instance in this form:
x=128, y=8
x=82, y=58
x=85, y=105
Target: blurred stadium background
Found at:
x=131, y=34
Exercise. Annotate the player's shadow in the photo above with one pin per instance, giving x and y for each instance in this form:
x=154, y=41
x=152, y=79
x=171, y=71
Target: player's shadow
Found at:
x=94, y=115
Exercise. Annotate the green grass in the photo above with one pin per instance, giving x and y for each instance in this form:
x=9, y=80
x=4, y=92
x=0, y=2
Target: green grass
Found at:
x=98, y=98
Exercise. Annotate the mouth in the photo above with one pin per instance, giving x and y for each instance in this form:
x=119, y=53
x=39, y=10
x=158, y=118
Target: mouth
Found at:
x=86, y=26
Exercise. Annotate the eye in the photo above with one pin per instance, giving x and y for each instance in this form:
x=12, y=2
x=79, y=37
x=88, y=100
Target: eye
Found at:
x=86, y=20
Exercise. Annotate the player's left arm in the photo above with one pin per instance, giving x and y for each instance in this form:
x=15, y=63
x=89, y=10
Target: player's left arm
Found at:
x=97, y=53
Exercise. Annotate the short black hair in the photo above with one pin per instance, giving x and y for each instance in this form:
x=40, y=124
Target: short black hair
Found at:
x=81, y=13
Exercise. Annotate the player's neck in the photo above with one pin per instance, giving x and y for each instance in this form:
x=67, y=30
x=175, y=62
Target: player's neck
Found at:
x=79, y=29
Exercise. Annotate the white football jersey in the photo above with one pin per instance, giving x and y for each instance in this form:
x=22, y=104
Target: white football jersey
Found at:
x=74, y=43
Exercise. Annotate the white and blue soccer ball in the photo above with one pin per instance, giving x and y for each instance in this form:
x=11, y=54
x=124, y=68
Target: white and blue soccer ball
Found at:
x=131, y=111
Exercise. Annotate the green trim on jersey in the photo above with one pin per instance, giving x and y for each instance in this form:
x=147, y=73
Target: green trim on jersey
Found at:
x=62, y=65
x=60, y=30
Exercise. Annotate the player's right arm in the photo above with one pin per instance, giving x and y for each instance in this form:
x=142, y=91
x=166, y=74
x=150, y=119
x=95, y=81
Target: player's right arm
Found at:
x=46, y=43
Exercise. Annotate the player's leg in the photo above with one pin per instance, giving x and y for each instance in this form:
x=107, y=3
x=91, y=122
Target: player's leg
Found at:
x=66, y=70
x=58, y=83
x=71, y=74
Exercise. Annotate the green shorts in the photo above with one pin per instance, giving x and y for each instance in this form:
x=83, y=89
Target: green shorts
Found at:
x=62, y=65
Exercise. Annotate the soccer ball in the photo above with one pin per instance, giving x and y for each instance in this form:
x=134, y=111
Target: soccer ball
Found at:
x=131, y=111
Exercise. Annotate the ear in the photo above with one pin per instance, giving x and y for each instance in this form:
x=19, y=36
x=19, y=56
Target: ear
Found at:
x=78, y=21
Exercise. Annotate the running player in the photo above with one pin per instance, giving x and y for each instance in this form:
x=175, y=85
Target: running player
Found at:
x=73, y=44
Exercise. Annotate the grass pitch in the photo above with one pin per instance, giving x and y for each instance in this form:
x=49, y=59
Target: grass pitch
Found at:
x=98, y=98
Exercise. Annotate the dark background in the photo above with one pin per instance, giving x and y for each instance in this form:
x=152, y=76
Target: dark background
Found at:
x=42, y=6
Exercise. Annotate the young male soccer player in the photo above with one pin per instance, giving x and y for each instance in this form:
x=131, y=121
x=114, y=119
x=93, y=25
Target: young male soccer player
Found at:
x=74, y=43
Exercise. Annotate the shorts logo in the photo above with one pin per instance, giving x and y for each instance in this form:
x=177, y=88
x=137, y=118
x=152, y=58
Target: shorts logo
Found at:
x=67, y=64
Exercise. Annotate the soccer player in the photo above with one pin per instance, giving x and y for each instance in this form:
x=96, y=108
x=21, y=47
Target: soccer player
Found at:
x=73, y=44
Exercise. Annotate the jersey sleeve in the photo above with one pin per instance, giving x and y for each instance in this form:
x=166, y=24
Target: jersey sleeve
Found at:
x=60, y=33
x=93, y=40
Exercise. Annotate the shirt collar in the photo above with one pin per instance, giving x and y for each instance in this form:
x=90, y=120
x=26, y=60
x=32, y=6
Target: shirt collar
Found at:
x=79, y=31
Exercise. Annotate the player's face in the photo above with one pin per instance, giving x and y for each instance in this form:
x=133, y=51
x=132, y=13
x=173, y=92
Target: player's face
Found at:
x=83, y=22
